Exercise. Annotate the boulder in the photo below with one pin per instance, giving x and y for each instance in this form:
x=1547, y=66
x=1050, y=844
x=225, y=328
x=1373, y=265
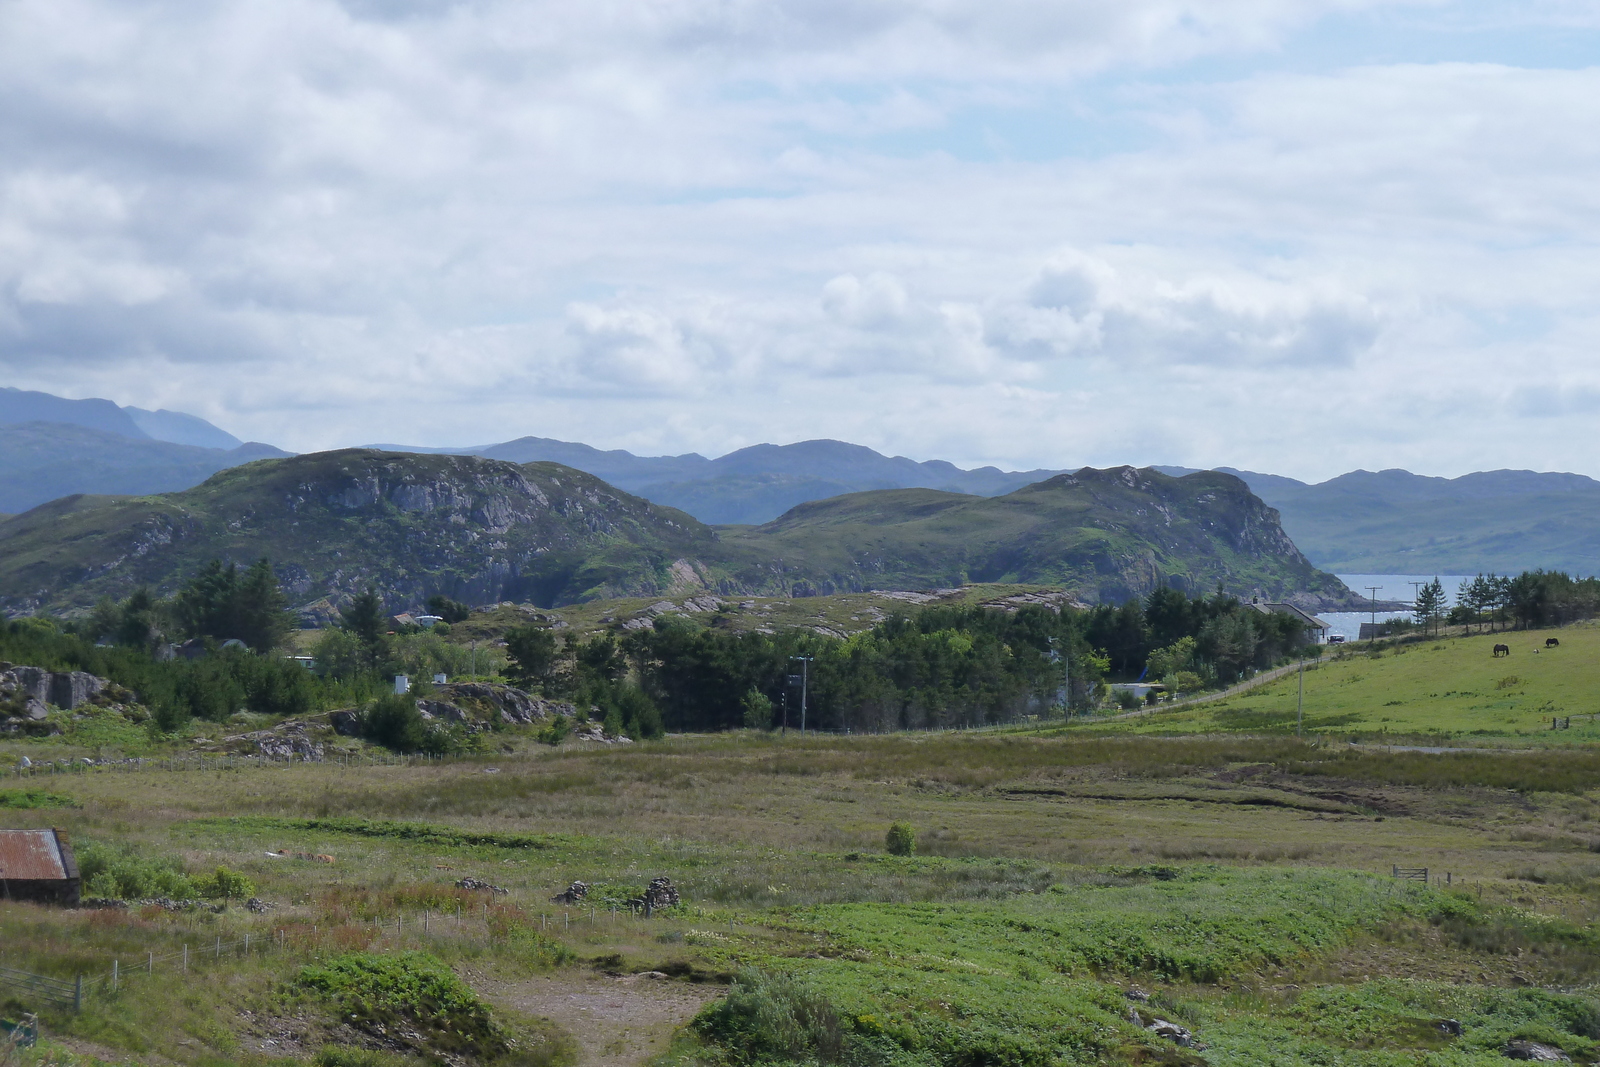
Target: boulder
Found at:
x=511, y=704
x=440, y=709
x=1523, y=1049
x=573, y=894
x=35, y=687
x=345, y=723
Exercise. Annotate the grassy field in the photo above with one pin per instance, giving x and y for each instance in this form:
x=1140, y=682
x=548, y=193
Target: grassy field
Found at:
x=1072, y=884
x=1454, y=686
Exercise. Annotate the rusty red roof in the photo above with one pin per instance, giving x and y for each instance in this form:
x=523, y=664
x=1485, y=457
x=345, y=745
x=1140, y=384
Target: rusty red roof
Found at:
x=36, y=856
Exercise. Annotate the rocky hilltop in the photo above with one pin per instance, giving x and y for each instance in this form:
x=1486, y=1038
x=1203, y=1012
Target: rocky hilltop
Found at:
x=485, y=531
x=1107, y=534
x=479, y=530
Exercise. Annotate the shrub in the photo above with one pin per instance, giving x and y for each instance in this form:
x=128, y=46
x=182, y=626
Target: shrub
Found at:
x=394, y=722
x=120, y=874
x=229, y=885
x=409, y=990
x=772, y=1017
x=556, y=730
x=757, y=710
x=901, y=840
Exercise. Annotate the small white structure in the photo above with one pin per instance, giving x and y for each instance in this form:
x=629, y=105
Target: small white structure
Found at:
x=402, y=685
x=440, y=679
x=427, y=621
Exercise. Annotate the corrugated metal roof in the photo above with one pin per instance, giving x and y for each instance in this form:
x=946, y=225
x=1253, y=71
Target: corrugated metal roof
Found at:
x=32, y=855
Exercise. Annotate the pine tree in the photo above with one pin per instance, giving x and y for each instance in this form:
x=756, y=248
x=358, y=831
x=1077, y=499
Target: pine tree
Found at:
x=365, y=618
x=260, y=619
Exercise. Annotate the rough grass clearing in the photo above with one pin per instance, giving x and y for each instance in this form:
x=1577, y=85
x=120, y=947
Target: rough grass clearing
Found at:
x=1239, y=880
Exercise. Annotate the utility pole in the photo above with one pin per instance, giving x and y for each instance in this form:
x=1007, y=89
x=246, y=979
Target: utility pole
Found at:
x=1373, y=602
x=805, y=681
x=1300, y=704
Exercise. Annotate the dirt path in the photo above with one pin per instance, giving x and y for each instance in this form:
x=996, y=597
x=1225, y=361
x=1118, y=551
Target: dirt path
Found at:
x=617, y=1022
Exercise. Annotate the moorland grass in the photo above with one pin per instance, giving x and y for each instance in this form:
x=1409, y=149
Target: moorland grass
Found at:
x=1052, y=871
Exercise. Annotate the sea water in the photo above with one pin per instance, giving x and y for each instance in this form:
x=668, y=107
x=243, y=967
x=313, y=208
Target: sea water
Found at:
x=1390, y=587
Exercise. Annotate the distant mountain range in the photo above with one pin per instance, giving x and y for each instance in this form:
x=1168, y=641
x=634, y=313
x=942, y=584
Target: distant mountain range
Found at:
x=1388, y=522
x=755, y=484
x=1396, y=522
x=51, y=447
x=483, y=530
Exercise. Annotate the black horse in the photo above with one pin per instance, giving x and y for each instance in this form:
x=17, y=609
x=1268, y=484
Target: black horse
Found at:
x=1551, y=642
x=1502, y=650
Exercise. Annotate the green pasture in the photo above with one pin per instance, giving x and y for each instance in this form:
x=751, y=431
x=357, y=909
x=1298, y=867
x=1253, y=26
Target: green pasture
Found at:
x=1453, y=686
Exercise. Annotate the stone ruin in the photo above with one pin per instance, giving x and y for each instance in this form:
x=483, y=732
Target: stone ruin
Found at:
x=573, y=894
x=478, y=883
x=659, y=894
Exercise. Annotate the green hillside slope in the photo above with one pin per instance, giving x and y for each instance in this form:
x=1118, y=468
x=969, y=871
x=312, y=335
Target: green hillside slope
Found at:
x=484, y=530
x=1108, y=534
x=479, y=530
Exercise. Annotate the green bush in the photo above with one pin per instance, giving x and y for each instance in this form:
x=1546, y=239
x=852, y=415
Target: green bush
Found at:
x=394, y=722
x=409, y=990
x=772, y=1017
x=901, y=840
x=556, y=730
x=757, y=710
x=120, y=874
x=226, y=884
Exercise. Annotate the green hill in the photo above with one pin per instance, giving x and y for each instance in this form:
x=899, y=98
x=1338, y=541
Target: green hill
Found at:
x=1108, y=534
x=485, y=530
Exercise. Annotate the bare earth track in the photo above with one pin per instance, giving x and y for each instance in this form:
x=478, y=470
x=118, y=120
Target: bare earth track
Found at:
x=616, y=1022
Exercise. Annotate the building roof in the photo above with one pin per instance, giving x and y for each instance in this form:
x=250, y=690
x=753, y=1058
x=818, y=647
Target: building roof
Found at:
x=36, y=856
x=1304, y=616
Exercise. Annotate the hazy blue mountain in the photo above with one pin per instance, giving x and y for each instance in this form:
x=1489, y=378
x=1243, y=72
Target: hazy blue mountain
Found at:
x=754, y=484
x=181, y=429
x=1396, y=522
x=41, y=461
x=21, y=405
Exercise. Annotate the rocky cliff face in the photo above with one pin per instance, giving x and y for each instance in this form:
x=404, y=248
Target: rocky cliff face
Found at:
x=485, y=531
x=474, y=529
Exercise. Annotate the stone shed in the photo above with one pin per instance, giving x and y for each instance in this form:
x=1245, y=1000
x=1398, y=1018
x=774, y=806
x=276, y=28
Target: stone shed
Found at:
x=39, y=865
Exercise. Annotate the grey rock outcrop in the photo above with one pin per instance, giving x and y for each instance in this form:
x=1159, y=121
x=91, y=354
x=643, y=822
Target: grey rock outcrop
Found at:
x=289, y=739
x=512, y=705
x=1523, y=1049
x=345, y=723
x=39, y=687
x=440, y=709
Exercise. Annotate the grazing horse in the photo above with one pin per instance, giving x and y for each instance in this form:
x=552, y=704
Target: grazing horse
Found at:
x=1551, y=642
x=1502, y=650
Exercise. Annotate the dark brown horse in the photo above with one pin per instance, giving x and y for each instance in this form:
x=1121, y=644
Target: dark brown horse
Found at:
x=1502, y=650
x=1551, y=642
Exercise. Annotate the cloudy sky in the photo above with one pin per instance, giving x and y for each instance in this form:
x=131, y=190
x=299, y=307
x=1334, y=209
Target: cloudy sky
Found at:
x=1297, y=236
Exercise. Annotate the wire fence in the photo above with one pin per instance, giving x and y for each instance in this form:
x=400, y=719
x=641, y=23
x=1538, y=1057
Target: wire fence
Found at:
x=307, y=940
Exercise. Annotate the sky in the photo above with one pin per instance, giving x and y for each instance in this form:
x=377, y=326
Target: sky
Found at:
x=1294, y=237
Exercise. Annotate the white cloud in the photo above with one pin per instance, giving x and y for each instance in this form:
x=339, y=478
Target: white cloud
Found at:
x=703, y=223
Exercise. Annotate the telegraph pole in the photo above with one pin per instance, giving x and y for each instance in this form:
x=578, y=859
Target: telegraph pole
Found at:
x=1372, y=601
x=805, y=680
x=1300, y=705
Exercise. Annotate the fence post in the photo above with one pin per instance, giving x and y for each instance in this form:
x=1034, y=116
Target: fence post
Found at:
x=77, y=994
x=114, y=976
x=185, y=959
x=152, y=963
